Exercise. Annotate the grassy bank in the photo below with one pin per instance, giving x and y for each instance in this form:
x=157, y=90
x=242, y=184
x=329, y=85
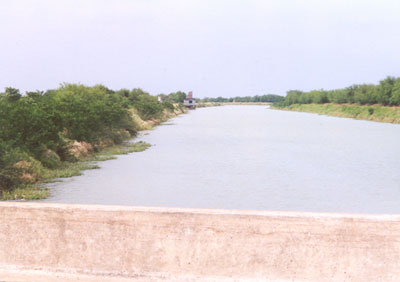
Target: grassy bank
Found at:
x=207, y=104
x=365, y=112
x=143, y=124
x=60, y=132
x=37, y=190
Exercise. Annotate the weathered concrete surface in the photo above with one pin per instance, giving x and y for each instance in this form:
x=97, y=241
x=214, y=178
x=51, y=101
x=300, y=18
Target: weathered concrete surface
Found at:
x=56, y=242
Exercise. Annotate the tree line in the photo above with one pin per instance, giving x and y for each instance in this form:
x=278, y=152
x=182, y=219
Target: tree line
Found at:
x=268, y=98
x=38, y=127
x=386, y=93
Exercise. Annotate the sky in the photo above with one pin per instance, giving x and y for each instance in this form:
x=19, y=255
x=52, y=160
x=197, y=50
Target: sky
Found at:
x=213, y=47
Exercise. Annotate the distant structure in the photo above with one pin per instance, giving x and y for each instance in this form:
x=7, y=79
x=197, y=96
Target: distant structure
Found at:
x=160, y=99
x=190, y=102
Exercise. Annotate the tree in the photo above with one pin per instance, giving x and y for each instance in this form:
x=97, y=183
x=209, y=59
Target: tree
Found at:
x=177, y=97
x=36, y=95
x=148, y=107
x=135, y=93
x=293, y=97
x=385, y=90
x=395, y=99
x=12, y=94
x=365, y=94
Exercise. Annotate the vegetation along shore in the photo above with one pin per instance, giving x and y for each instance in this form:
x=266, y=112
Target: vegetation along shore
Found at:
x=268, y=98
x=379, y=102
x=246, y=100
x=58, y=133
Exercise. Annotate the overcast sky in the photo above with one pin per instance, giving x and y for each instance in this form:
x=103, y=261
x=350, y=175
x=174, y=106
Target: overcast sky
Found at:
x=213, y=47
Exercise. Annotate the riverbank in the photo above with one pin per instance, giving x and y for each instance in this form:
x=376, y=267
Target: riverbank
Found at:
x=143, y=124
x=57, y=134
x=208, y=104
x=43, y=175
x=86, y=157
x=365, y=112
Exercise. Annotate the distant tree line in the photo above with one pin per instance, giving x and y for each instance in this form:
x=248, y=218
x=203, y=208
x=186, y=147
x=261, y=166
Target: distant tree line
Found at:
x=268, y=98
x=386, y=93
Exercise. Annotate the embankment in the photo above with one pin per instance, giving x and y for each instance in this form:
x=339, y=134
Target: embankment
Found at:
x=150, y=123
x=365, y=112
x=86, y=158
x=41, y=242
x=46, y=135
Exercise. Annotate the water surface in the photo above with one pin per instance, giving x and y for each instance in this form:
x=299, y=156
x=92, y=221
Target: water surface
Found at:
x=251, y=157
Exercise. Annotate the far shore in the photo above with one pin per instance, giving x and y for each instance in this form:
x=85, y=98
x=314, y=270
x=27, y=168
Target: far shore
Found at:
x=379, y=113
x=216, y=104
x=247, y=103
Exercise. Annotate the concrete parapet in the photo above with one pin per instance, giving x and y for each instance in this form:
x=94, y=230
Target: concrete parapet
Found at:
x=109, y=243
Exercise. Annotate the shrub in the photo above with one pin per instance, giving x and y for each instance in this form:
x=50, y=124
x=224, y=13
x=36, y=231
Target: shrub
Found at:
x=370, y=111
x=148, y=107
x=168, y=106
x=87, y=113
x=50, y=159
x=17, y=167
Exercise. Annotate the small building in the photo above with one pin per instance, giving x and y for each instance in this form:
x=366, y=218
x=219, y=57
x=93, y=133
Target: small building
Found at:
x=190, y=102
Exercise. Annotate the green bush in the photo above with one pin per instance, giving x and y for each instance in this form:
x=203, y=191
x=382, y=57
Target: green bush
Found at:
x=17, y=167
x=50, y=159
x=87, y=113
x=370, y=111
x=148, y=107
x=29, y=124
x=168, y=106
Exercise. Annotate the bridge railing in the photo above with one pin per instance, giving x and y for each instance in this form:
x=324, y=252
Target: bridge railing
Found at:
x=194, y=245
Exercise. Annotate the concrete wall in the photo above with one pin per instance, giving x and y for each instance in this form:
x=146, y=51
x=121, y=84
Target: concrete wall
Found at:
x=153, y=244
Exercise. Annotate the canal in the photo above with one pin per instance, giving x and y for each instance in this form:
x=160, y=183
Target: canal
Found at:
x=252, y=157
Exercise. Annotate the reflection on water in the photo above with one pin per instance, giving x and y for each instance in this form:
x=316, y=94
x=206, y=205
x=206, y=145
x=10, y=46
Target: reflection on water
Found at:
x=251, y=157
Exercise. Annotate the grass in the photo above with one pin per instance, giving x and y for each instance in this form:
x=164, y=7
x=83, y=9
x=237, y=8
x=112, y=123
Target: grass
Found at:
x=26, y=192
x=38, y=191
x=208, y=104
x=123, y=149
x=365, y=112
x=67, y=169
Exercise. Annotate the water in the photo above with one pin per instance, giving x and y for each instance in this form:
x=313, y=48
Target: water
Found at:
x=251, y=157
